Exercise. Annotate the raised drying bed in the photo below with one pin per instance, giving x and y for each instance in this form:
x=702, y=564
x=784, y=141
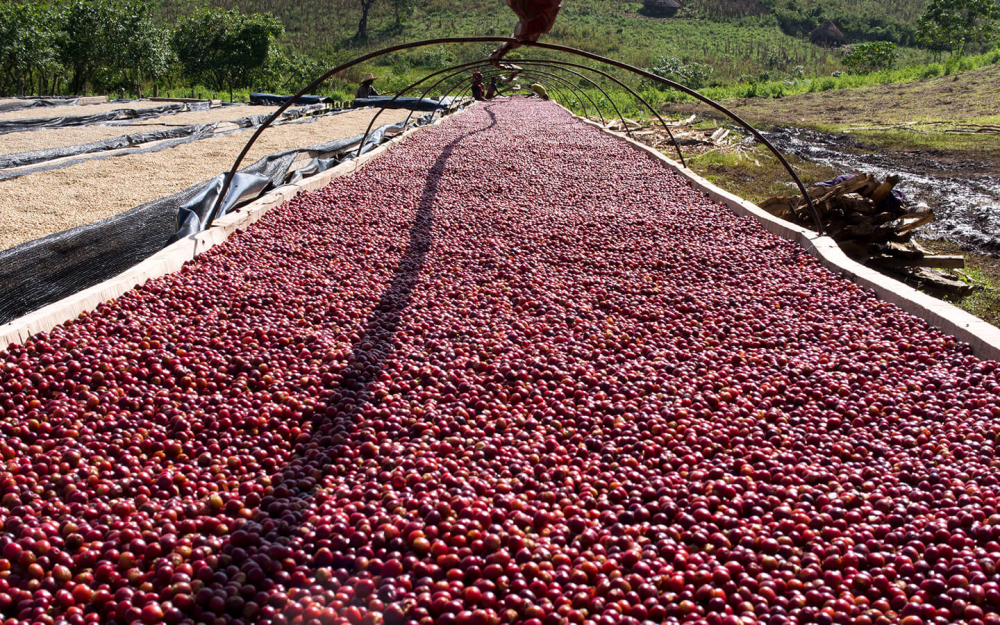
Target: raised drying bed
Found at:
x=47, y=202
x=72, y=110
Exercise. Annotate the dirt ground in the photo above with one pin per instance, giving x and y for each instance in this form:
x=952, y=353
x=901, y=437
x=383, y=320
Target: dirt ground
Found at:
x=44, y=203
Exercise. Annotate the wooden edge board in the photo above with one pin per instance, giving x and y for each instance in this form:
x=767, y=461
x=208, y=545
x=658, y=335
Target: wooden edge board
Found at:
x=171, y=258
x=982, y=337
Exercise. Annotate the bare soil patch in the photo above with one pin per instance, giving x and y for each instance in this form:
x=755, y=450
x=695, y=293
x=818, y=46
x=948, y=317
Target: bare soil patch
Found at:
x=960, y=97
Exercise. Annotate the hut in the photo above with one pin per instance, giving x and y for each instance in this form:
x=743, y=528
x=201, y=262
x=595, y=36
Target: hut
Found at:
x=660, y=8
x=827, y=35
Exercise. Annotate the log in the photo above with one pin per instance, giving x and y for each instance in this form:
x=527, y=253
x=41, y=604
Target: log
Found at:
x=915, y=221
x=883, y=190
x=720, y=134
x=909, y=252
x=934, y=280
x=936, y=261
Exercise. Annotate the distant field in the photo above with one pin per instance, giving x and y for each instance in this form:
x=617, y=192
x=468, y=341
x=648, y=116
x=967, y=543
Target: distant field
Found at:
x=969, y=97
x=740, y=38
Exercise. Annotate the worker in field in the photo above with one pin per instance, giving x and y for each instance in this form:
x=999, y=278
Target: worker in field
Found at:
x=367, y=89
x=477, y=86
x=492, y=89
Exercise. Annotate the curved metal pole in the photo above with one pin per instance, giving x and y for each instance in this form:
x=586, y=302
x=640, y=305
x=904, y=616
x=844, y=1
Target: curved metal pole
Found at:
x=576, y=91
x=406, y=122
x=701, y=98
x=637, y=97
x=227, y=180
x=544, y=64
x=385, y=105
x=591, y=82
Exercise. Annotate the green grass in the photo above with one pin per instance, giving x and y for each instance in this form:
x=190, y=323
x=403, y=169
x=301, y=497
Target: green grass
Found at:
x=756, y=175
x=819, y=84
x=984, y=301
x=983, y=273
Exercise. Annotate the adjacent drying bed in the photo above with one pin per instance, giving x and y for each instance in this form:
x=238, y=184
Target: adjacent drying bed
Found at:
x=47, y=138
x=219, y=114
x=513, y=371
x=77, y=135
x=72, y=110
x=43, y=203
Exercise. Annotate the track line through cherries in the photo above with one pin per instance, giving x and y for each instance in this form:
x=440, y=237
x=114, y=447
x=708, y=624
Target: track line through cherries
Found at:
x=511, y=372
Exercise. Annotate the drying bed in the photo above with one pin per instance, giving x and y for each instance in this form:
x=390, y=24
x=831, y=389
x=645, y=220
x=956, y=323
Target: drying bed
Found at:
x=77, y=135
x=513, y=371
x=47, y=202
x=73, y=110
x=47, y=138
x=220, y=114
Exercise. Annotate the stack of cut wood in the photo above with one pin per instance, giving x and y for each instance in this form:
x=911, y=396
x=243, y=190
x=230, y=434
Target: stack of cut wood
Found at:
x=871, y=226
x=696, y=140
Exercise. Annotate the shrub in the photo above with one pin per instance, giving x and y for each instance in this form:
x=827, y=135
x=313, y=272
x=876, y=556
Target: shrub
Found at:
x=693, y=75
x=865, y=58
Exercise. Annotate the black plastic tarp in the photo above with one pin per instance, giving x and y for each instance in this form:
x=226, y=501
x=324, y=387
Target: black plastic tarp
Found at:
x=193, y=214
x=269, y=99
x=414, y=104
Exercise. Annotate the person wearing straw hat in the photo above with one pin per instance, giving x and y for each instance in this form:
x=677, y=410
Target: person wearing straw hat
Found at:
x=366, y=89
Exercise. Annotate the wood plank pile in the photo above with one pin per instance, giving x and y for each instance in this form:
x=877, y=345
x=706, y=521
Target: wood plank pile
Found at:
x=873, y=227
x=655, y=136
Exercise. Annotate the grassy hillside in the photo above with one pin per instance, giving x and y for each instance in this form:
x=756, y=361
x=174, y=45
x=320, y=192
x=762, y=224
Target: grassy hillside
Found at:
x=741, y=39
x=971, y=97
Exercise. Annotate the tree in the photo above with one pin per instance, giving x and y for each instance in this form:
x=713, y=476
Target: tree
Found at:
x=288, y=71
x=959, y=26
x=865, y=58
x=26, y=46
x=82, y=43
x=402, y=10
x=227, y=49
x=136, y=48
x=366, y=7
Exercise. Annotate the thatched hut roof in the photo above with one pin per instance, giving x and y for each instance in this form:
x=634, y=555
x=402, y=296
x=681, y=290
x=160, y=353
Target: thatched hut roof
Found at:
x=828, y=35
x=661, y=7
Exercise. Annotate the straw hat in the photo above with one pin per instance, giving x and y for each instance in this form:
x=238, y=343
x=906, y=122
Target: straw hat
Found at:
x=369, y=76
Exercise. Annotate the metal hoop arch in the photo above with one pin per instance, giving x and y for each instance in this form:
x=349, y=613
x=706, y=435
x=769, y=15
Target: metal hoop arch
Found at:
x=579, y=75
x=227, y=179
